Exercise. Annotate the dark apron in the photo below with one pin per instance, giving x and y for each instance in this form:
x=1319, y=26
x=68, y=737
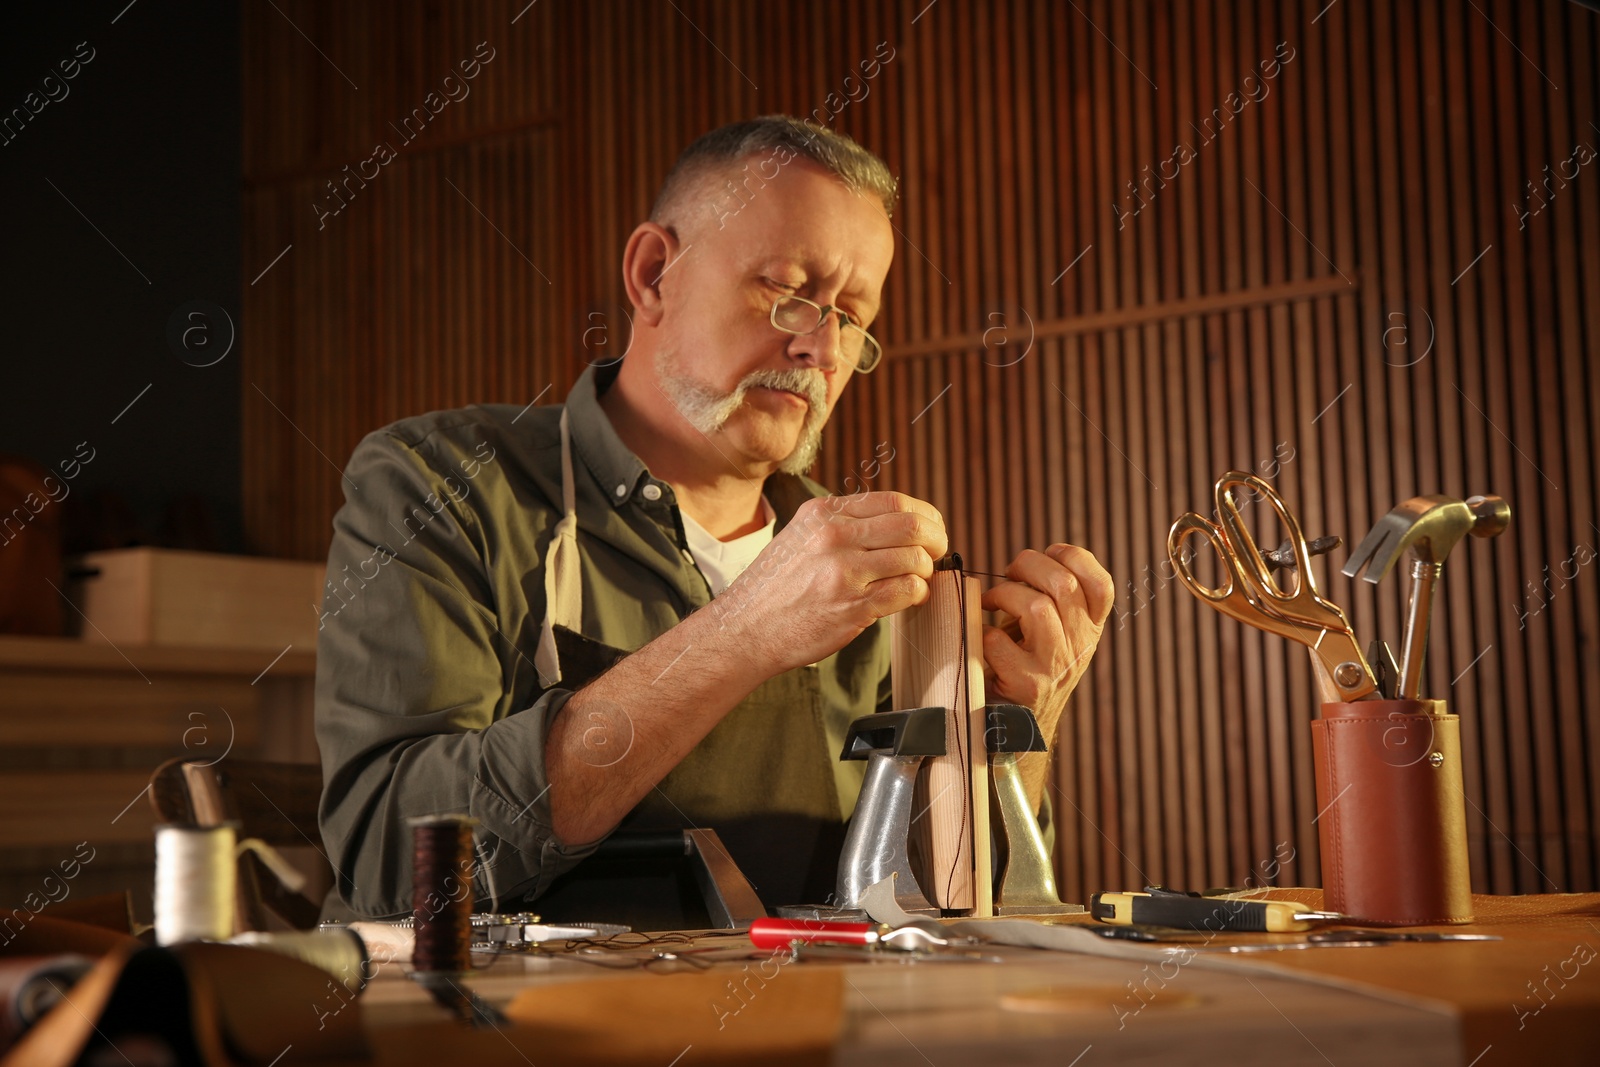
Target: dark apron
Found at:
x=762, y=779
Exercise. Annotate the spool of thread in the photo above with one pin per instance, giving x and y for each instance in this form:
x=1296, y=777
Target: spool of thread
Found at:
x=340, y=952
x=441, y=893
x=30, y=986
x=195, y=882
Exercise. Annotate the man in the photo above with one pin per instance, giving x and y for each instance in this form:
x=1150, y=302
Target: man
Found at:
x=553, y=622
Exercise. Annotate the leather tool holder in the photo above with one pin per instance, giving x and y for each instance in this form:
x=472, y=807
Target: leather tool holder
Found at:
x=1393, y=827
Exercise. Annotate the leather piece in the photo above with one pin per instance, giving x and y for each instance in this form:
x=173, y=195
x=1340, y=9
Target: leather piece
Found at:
x=1392, y=822
x=110, y=911
x=47, y=935
x=211, y=1004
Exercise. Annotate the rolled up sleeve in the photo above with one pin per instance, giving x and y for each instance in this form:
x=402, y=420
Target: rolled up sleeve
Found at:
x=416, y=701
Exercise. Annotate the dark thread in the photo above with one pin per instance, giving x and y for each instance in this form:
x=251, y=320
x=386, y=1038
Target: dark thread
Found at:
x=441, y=899
x=961, y=702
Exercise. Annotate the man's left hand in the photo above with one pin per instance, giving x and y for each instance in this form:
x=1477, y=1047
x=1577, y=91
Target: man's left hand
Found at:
x=1057, y=602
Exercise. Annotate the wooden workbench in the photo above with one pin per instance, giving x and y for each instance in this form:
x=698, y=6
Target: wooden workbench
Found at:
x=1531, y=998
x=1415, y=1004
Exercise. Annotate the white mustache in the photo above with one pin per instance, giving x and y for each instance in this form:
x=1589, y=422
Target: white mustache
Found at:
x=809, y=384
x=708, y=410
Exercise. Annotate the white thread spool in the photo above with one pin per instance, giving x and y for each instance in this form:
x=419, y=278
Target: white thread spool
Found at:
x=195, y=882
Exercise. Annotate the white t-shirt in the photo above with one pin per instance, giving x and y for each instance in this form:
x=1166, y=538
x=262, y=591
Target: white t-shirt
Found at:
x=723, y=561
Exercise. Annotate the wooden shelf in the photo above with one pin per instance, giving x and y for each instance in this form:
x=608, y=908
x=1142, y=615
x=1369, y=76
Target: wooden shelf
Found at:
x=74, y=654
x=83, y=723
x=46, y=809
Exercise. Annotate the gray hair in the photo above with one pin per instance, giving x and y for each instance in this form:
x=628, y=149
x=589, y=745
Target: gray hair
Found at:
x=781, y=138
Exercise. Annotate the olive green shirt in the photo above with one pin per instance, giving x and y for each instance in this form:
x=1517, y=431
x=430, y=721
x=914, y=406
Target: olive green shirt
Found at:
x=427, y=700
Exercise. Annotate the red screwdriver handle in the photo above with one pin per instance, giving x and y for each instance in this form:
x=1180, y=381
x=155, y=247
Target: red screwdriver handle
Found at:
x=778, y=933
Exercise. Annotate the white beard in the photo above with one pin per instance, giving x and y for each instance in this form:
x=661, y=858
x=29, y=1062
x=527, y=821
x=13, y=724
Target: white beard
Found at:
x=708, y=410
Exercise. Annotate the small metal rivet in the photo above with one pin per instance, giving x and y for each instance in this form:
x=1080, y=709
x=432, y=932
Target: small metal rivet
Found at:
x=1347, y=674
x=1436, y=759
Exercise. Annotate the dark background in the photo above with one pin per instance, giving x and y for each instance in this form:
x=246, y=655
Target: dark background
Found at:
x=146, y=145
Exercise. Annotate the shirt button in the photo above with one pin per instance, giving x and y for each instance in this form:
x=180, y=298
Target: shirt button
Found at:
x=652, y=491
x=622, y=491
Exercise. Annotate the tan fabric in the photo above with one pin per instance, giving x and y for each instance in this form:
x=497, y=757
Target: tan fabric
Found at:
x=563, y=589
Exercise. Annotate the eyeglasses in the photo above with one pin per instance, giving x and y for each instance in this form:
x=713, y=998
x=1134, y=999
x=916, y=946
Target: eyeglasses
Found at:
x=799, y=316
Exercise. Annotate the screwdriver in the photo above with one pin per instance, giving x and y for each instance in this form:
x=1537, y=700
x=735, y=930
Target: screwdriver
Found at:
x=1188, y=912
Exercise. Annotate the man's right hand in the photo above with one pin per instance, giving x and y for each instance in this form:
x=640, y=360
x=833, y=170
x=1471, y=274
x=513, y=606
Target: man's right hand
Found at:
x=841, y=563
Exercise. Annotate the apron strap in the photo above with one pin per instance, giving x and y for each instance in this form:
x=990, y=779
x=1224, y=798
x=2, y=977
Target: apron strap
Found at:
x=563, y=586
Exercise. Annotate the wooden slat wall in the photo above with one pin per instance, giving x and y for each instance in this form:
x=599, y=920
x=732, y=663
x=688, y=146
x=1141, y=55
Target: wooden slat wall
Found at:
x=1337, y=291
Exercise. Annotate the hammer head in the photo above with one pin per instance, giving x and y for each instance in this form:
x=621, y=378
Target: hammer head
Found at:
x=1491, y=515
x=1429, y=526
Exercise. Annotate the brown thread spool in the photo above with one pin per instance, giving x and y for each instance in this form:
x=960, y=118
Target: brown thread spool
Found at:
x=441, y=893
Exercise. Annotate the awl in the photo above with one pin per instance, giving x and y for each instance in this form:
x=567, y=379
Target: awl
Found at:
x=781, y=933
x=920, y=939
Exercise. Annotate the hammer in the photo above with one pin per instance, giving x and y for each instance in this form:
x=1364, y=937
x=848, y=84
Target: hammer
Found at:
x=1430, y=526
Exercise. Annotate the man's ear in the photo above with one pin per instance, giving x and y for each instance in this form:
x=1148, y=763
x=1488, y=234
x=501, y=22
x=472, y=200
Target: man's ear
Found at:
x=651, y=249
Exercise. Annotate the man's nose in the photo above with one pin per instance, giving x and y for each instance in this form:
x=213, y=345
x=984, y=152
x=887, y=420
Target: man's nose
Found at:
x=821, y=347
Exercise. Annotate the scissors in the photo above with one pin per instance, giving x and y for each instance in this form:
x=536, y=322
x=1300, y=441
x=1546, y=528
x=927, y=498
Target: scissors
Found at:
x=1251, y=594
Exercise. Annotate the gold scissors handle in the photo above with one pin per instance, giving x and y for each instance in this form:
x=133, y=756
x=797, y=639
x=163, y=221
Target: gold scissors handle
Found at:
x=1250, y=594
x=1234, y=597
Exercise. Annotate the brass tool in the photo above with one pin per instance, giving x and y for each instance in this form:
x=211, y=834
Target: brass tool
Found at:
x=1251, y=594
x=1027, y=884
x=1430, y=526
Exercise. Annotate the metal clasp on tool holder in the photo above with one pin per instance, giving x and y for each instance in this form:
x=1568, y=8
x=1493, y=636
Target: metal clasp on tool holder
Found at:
x=1028, y=887
x=894, y=744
